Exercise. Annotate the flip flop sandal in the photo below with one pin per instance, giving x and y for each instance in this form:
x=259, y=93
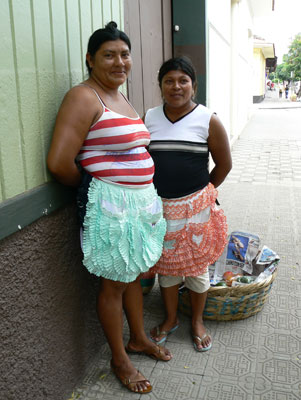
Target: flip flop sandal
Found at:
x=130, y=383
x=201, y=339
x=156, y=354
x=165, y=333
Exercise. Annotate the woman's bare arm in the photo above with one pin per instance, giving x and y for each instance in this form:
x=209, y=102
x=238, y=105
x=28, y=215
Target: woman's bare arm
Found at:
x=79, y=109
x=219, y=149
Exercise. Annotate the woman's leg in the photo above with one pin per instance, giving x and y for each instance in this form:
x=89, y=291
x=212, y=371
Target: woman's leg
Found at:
x=198, y=301
x=198, y=288
x=170, y=296
x=111, y=317
x=133, y=307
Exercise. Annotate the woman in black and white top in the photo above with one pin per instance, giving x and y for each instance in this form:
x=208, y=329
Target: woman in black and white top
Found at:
x=183, y=134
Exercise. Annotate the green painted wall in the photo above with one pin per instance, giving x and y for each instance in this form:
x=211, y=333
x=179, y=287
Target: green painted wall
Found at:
x=42, y=51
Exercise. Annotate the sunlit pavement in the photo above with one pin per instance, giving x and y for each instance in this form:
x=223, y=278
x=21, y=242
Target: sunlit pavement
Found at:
x=273, y=100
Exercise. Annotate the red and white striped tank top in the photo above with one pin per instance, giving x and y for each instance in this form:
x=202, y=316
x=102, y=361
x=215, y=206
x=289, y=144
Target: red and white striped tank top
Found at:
x=115, y=150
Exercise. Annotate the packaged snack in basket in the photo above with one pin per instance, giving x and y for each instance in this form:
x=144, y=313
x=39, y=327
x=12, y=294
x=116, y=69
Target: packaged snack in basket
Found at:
x=265, y=264
x=264, y=259
x=237, y=257
x=242, y=262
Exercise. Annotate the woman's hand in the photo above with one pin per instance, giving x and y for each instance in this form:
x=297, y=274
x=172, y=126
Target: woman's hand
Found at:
x=219, y=149
x=79, y=110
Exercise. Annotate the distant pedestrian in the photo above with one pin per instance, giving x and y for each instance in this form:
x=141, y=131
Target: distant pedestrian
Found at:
x=280, y=92
x=286, y=91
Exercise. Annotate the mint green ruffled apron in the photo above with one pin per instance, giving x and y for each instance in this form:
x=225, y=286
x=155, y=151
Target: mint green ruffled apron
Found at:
x=123, y=230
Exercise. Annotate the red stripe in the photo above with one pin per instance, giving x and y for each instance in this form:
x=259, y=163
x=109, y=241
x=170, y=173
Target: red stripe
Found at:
x=120, y=158
x=112, y=123
x=131, y=137
x=124, y=172
x=135, y=183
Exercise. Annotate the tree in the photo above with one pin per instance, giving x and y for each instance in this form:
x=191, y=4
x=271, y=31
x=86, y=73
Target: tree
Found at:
x=283, y=72
x=293, y=58
x=291, y=61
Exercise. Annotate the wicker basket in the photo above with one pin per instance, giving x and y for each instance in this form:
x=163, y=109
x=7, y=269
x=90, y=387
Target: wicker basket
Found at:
x=231, y=303
x=147, y=284
x=147, y=281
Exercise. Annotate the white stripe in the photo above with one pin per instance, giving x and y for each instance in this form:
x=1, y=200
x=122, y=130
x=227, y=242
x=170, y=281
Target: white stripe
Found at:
x=118, y=146
x=90, y=154
x=101, y=153
x=117, y=131
x=180, y=147
x=112, y=115
x=128, y=178
x=104, y=166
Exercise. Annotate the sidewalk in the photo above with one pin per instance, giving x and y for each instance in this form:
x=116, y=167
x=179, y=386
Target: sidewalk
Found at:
x=273, y=101
x=258, y=358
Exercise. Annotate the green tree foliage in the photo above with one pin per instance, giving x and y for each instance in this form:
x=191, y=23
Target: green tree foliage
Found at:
x=293, y=58
x=291, y=61
x=283, y=72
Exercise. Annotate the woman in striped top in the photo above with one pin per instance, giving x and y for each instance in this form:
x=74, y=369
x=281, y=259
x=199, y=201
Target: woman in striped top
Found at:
x=123, y=226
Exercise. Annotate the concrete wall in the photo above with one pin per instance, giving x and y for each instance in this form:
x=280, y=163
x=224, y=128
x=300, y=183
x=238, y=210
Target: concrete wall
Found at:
x=219, y=56
x=230, y=63
x=49, y=327
x=241, y=66
x=259, y=74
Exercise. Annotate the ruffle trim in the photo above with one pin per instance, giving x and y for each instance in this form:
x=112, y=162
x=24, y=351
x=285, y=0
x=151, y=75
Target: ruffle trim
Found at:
x=190, y=250
x=198, y=201
x=119, y=246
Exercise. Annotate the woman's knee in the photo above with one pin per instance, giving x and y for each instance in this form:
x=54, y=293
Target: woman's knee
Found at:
x=112, y=288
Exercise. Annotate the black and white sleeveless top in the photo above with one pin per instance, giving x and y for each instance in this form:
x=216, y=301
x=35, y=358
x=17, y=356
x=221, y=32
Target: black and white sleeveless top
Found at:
x=179, y=150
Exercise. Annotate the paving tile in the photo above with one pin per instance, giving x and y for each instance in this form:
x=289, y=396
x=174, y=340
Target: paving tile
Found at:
x=282, y=374
x=283, y=345
x=173, y=385
x=223, y=388
x=185, y=359
x=102, y=384
x=264, y=390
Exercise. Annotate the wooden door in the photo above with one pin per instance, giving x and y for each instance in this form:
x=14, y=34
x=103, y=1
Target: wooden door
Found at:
x=148, y=24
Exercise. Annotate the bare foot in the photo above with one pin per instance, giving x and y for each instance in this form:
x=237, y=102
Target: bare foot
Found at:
x=131, y=378
x=159, y=333
x=150, y=349
x=201, y=340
